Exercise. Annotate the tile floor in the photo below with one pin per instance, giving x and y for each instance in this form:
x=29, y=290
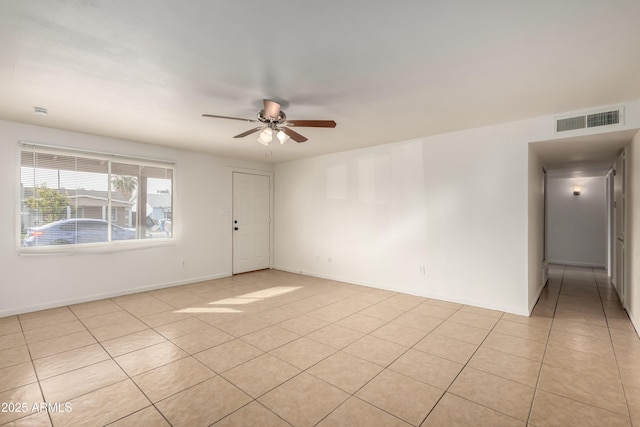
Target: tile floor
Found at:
x=275, y=349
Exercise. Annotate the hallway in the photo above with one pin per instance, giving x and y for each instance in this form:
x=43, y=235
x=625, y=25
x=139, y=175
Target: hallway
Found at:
x=590, y=364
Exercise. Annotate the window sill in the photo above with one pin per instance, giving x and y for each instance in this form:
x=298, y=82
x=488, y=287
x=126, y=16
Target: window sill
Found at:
x=97, y=248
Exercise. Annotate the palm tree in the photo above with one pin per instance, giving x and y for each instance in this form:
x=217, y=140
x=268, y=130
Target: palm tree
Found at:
x=125, y=184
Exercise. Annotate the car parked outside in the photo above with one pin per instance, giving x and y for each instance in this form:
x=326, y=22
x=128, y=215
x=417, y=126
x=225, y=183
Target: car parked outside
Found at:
x=75, y=231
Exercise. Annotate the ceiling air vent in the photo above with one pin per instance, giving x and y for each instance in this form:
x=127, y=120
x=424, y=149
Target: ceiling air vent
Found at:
x=590, y=120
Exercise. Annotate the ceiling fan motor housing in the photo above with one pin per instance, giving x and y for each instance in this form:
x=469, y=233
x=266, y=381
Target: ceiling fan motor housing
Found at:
x=282, y=117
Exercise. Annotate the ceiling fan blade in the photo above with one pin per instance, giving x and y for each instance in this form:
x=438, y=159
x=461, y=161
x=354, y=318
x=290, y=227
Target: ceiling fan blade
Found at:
x=249, y=132
x=294, y=135
x=230, y=118
x=271, y=109
x=312, y=123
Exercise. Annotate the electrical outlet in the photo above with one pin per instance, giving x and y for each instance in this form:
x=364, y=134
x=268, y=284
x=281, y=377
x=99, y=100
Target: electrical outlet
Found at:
x=423, y=269
x=329, y=260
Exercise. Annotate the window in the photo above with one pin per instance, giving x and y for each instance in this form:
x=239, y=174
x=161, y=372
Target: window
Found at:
x=70, y=198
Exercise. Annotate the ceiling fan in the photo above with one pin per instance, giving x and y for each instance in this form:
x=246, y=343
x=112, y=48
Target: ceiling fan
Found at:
x=273, y=120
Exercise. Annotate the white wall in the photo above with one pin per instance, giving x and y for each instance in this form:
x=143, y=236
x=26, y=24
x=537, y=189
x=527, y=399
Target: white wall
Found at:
x=459, y=204
x=536, y=227
x=202, y=209
x=633, y=231
x=455, y=204
x=577, y=225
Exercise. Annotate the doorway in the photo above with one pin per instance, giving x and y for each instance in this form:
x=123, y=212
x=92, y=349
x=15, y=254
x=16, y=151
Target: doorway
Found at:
x=574, y=158
x=251, y=222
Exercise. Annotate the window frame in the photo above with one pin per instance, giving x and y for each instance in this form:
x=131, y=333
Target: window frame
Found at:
x=96, y=247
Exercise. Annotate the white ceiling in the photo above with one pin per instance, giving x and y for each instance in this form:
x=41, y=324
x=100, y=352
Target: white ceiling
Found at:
x=146, y=70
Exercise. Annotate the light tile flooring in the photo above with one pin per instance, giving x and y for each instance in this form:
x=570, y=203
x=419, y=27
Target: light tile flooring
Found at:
x=275, y=349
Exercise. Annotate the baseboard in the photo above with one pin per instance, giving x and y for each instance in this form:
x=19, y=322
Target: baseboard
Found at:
x=635, y=322
x=63, y=303
x=545, y=279
x=577, y=263
x=328, y=277
x=400, y=289
x=535, y=300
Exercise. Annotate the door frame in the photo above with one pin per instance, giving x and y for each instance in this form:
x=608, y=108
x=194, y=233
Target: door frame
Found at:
x=248, y=171
x=621, y=283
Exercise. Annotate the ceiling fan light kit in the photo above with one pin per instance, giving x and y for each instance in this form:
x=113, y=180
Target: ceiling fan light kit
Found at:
x=265, y=136
x=282, y=137
x=275, y=120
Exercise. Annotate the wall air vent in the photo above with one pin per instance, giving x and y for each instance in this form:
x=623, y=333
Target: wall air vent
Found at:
x=613, y=116
x=571, y=123
x=603, y=119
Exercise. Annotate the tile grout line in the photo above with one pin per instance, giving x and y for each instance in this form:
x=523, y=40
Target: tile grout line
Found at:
x=615, y=354
x=337, y=351
x=412, y=347
x=546, y=346
x=320, y=361
x=120, y=367
x=225, y=379
x=33, y=366
x=220, y=374
x=383, y=368
x=466, y=364
x=129, y=378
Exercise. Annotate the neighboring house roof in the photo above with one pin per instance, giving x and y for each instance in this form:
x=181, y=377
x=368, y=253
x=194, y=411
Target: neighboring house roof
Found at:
x=95, y=197
x=116, y=196
x=98, y=201
x=96, y=194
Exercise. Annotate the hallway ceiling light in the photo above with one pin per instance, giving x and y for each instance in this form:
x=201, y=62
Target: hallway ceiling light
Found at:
x=40, y=111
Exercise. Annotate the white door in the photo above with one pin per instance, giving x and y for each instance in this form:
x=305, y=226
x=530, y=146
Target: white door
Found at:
x=251, y=241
